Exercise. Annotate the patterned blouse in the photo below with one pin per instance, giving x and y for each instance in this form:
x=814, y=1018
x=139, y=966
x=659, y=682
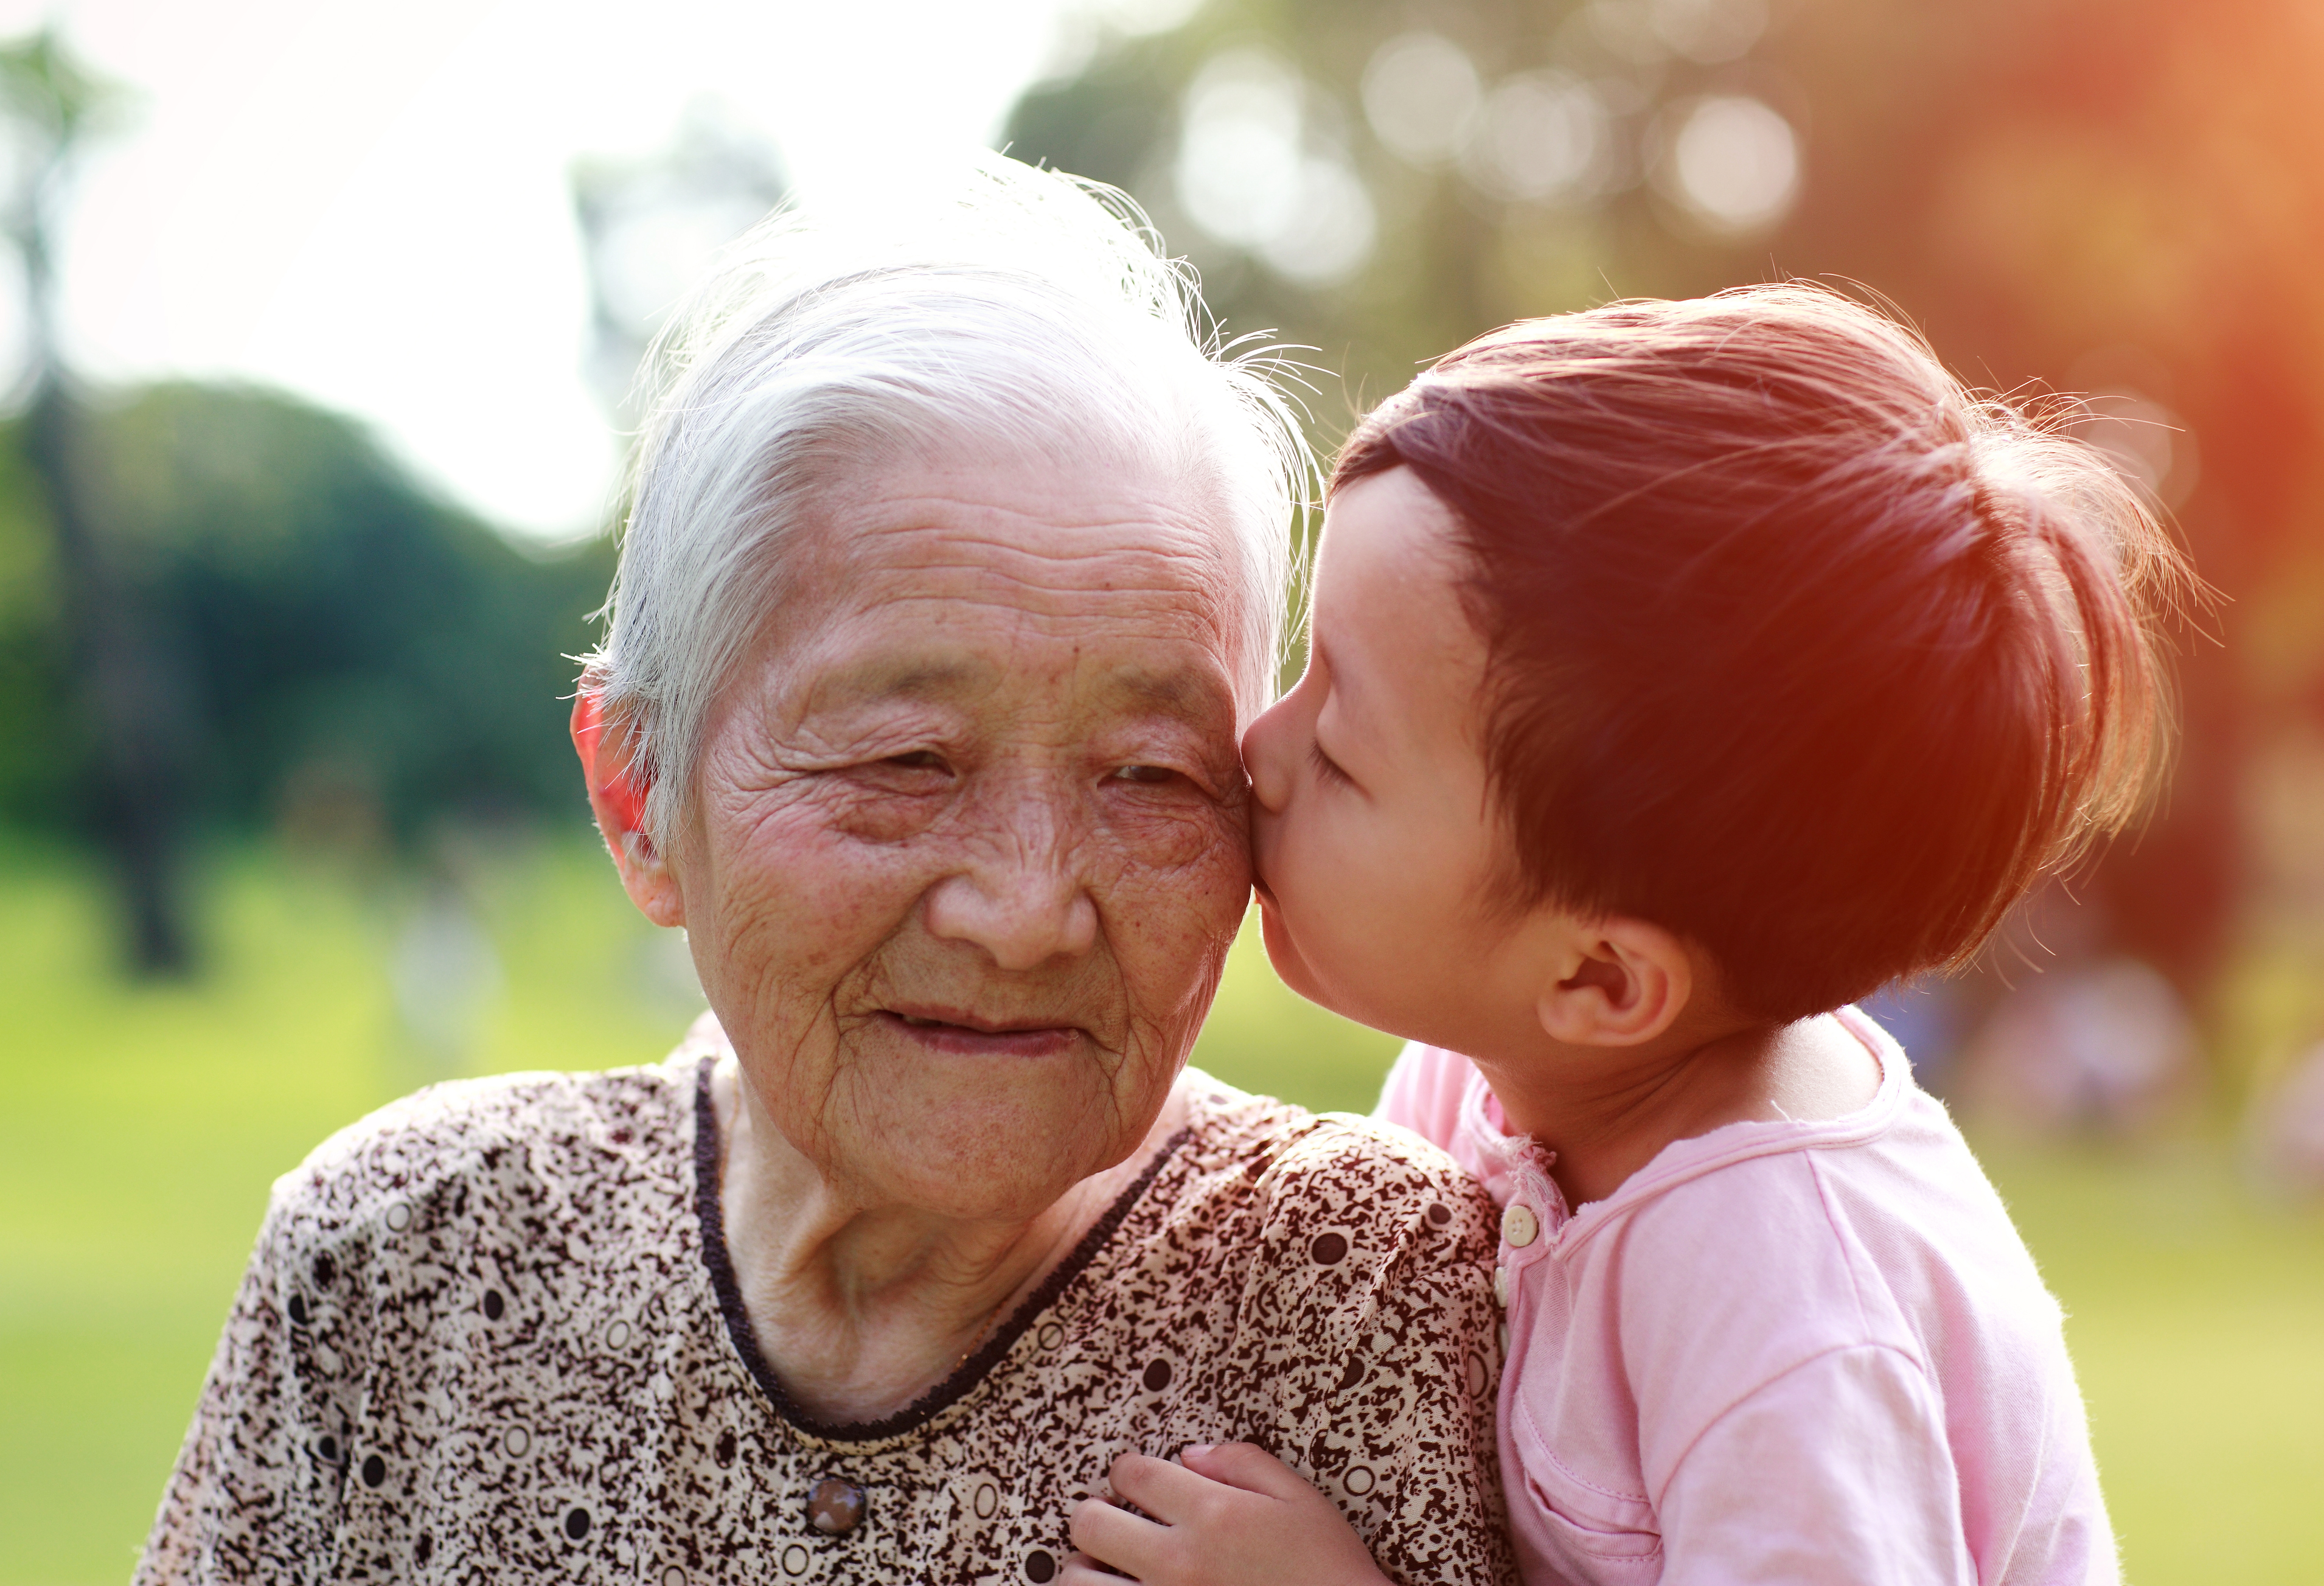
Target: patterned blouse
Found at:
x=492, y=1333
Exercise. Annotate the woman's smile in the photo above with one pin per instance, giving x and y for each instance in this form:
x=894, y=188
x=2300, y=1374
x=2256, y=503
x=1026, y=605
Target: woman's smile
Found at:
x=956, y=1033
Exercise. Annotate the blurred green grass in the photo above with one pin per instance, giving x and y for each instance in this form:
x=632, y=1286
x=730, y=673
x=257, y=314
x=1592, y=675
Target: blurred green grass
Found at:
x=140, y=1127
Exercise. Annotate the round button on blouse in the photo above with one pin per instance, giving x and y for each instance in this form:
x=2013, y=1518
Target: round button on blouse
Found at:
x=1501, y=1287
x=835, y=1507
x=1520, y=1226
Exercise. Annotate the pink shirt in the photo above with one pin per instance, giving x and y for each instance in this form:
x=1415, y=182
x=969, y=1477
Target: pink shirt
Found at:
x=1795, y=1352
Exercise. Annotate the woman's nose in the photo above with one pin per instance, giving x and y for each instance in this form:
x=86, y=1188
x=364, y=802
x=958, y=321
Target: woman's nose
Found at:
x=1024, y=901
x=1267, y=755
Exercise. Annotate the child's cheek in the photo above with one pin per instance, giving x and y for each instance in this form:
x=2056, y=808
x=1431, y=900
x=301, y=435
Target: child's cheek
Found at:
x=1331, y=881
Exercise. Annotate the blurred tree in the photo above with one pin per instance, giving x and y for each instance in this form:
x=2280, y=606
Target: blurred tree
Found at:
x=2122, y=199
x=220, y=605
x=123, y=680
x=338, y=639
x=335, y=621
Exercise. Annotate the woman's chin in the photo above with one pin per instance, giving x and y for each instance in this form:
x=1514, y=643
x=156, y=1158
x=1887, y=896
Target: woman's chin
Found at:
x=984, y=1136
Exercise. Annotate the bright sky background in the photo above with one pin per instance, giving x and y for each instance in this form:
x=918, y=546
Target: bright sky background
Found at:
x=367, y=203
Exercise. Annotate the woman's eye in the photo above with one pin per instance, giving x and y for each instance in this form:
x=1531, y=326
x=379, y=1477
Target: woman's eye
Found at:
x=1144, y=776
x=1326, y=765
x=918, y=760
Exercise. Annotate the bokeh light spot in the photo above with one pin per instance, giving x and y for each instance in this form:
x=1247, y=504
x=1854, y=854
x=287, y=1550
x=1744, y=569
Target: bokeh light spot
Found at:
x=1421, y=94
x=1544, y=135
x=1709, y=31
x=1249, y=173
x=1239, y=154
x=1141, y=17
x=1733, y=163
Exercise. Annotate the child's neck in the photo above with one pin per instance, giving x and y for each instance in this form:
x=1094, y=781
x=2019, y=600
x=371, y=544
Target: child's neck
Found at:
x=1607, y=1112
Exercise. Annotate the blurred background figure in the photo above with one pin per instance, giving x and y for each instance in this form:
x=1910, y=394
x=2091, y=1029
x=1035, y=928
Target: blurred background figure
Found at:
x=442, y=966
x=318, y=327
x=2287, y=1128
x=2067, y=1033
x=2104, y=1047
x=445, y=976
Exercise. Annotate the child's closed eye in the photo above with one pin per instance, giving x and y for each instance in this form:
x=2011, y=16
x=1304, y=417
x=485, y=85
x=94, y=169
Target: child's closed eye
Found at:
x=1326, y=767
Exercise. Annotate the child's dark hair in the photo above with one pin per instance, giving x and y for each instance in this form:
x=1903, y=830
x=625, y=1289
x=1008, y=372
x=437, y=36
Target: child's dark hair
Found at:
x=1796, y=647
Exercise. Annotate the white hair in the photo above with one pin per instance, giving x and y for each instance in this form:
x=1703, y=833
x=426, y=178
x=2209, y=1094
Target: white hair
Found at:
x=1016, y=306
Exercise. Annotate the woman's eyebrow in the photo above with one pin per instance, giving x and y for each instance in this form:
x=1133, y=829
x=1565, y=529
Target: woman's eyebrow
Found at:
x=916, y=677
x=1187, y=693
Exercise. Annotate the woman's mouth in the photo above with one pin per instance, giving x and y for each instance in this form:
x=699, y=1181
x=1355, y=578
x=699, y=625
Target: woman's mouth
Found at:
x=963, y=1035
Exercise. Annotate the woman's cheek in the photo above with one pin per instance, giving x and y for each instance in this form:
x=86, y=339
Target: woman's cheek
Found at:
x=827, y=830
x=1172, y=908
x=802, y=883
x=873, y=808
x=1187, y=848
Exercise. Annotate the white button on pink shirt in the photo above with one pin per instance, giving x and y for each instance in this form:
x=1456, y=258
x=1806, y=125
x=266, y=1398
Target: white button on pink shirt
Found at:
x=1797, y=1352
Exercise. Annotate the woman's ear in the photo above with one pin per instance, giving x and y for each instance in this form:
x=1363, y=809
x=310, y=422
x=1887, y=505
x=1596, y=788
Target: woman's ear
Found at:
x=1621, y=982
x=618, y=799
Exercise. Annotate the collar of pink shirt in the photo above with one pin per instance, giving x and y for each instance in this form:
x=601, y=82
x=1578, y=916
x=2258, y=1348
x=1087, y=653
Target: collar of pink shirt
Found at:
x=1536, y=1221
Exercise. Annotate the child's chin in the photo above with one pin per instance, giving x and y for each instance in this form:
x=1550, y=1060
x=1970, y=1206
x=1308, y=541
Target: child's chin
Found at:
x=1281, y=951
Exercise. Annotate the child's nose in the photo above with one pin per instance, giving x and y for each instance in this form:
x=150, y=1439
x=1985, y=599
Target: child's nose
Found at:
x=1266, y=759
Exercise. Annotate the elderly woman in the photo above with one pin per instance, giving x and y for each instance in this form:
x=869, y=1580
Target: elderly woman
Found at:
x=953, y=570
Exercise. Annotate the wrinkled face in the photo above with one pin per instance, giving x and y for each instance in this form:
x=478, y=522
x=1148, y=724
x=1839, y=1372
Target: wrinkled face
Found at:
x=970, y=844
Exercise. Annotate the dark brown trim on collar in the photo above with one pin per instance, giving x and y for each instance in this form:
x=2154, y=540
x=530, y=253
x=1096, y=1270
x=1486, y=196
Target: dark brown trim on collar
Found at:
x=965, y=1375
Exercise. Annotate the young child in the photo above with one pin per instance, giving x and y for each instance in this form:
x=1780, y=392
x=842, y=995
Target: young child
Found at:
x=1681, y=671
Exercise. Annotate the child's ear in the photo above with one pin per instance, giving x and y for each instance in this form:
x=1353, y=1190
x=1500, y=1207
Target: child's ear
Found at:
x=618, y=799
x=1619, y=982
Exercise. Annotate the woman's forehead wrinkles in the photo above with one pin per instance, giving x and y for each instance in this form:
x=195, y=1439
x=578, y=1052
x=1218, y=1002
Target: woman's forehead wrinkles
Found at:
x=1197, y=694
x=1154, y=561
x=1094, y=590
x=996, y=599
x=1060, y=517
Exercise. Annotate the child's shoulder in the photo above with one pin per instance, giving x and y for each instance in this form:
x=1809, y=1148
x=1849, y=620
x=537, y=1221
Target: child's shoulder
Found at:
x=1895, y=1240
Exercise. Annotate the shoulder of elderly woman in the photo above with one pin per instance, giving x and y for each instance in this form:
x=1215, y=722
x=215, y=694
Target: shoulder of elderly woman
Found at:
x=462, y=1207
x=1317, y=1171
x=381, y=1172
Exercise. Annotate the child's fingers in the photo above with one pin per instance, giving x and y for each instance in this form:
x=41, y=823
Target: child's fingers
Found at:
x=1169, y=1491
x=1081, y=1570
x=1247, y=1466
x=1121, y=1539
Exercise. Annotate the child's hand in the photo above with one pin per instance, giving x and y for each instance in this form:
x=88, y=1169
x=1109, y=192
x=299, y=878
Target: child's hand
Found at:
x=1228, y=1514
